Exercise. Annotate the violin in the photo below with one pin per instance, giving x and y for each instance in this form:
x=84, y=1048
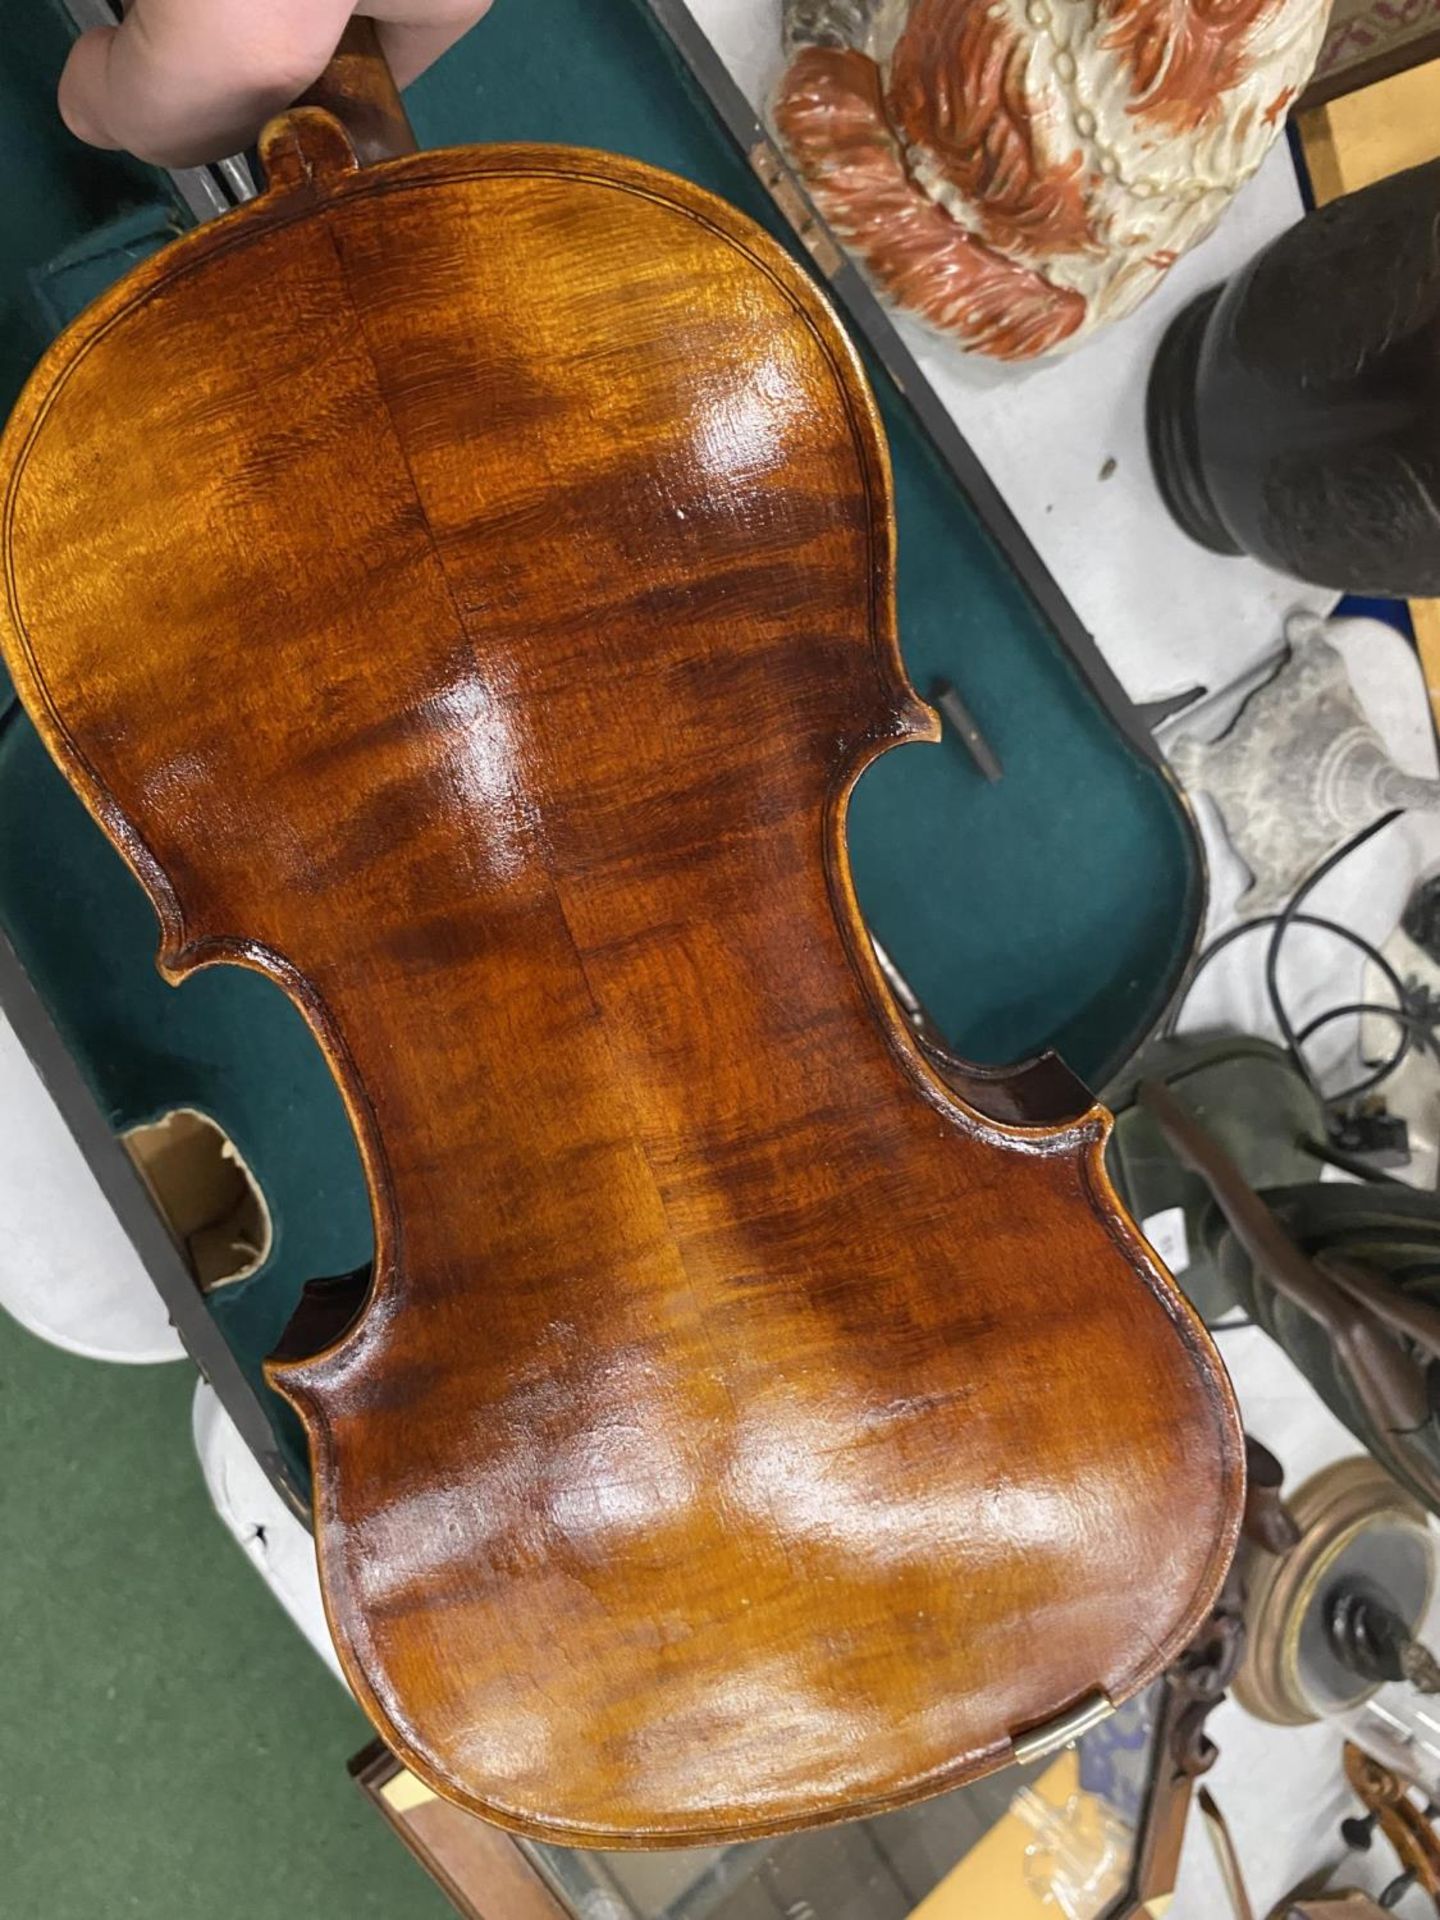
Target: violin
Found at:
x=754, y=1417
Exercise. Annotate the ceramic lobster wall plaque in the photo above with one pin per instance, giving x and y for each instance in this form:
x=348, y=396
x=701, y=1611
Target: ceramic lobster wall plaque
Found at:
x=1018, y=173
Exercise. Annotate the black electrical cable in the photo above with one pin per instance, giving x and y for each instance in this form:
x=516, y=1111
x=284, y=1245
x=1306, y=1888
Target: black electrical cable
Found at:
x=1284, y=921
x=1232, y=934
x=1357, y=1007
x=1331, y=1156
x=1414, y=1027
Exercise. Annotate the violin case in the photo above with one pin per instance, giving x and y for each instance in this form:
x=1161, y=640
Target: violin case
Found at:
x=1054, y=907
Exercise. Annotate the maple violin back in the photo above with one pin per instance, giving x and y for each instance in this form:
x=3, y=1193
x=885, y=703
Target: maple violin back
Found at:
x=462, y=589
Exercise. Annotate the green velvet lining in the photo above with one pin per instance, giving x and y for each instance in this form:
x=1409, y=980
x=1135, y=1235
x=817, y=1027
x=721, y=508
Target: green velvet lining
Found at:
x=56, y=190
x=227, y=1043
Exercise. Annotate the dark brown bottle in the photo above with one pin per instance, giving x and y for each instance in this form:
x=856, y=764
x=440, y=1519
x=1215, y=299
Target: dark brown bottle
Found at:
x=1294, y=413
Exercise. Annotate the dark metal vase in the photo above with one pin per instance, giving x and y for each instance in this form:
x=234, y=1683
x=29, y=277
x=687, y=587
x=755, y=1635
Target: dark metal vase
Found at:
x=1294, y=413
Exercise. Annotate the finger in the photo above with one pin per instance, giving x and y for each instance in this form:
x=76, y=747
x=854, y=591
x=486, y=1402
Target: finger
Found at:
x=413, y=37
x=83, y=84
x=181, y=82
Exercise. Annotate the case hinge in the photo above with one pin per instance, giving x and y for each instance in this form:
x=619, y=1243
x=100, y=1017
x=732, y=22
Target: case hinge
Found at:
x=785, y=191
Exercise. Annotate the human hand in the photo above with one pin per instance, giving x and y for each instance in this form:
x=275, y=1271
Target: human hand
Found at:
x=182, y=82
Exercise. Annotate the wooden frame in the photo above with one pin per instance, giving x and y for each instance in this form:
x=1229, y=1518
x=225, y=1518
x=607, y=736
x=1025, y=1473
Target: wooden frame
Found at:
x=1352, y=75
x=450, y=1844
x=488, y=1874
x=1162, y=1826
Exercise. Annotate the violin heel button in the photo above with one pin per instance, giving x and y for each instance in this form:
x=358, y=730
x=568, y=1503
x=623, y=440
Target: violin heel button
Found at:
x=305, y=146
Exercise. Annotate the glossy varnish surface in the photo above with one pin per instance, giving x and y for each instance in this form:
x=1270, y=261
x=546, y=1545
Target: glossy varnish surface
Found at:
x=463, y=591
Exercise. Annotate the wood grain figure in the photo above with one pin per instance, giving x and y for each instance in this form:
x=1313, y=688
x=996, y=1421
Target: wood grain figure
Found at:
x=462, y=590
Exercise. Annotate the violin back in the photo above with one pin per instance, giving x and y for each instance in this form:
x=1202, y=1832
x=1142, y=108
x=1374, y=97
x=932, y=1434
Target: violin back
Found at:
x=462, y=589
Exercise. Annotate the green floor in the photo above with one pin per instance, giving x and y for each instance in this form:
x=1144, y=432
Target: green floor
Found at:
x=169, y=1744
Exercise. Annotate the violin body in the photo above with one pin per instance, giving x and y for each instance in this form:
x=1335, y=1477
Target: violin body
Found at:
x=462, y=590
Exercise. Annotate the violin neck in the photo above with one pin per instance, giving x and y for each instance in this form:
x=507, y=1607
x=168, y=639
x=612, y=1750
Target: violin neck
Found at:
x=359, y=89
